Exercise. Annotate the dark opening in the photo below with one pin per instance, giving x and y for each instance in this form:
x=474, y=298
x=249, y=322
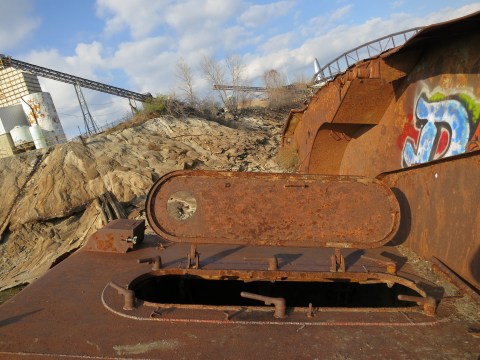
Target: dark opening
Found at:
x=174, y=289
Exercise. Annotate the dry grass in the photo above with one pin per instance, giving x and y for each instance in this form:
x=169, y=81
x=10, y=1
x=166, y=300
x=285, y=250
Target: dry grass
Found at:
x=287, y=157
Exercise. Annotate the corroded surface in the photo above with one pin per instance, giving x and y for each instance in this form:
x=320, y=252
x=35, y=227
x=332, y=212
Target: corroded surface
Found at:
x=69, y=320
x=274, y=209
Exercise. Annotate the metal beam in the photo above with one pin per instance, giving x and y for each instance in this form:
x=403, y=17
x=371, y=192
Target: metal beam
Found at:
x=7, y=61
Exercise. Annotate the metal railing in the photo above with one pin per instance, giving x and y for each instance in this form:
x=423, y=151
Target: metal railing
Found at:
x=365, y=51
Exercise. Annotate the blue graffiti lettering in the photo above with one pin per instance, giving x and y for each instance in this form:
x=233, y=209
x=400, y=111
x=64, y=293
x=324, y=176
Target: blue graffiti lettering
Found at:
x=450, y=115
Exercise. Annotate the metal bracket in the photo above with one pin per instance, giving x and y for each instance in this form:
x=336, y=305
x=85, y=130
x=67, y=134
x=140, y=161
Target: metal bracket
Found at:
x=337, y=262
x=193, y=256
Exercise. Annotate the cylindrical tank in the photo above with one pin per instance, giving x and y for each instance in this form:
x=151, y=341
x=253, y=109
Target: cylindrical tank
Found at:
x=20, y=135
x=40, y=110
x=38, y=137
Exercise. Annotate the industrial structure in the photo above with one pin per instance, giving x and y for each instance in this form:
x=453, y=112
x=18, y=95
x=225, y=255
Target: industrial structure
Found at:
x=19, y=87
x=28, y=119
x=371, y=249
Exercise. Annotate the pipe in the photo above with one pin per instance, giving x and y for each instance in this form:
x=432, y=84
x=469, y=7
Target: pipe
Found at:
x=128, y=295
x=279, y=303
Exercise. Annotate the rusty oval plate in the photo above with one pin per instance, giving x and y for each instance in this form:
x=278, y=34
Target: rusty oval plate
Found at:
x=272, y=209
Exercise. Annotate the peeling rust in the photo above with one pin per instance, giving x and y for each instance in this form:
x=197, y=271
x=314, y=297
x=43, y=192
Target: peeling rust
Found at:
x=294, y=210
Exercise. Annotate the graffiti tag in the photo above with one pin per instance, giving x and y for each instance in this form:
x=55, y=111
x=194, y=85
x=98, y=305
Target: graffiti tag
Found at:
x=442, y=128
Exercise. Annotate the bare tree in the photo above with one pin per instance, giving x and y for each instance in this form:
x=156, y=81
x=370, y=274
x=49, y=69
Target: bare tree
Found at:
x=185, y=75
x=273, y=79
x=278, y=95
x=231, y=72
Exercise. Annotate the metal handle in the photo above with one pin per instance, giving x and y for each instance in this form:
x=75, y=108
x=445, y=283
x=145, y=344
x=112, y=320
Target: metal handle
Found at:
x=128, y=295
x=279, y=303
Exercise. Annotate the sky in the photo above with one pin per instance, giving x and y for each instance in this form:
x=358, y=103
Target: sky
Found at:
x=135, y=44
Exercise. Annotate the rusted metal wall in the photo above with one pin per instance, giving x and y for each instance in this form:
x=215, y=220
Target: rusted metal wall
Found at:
x=429, y=110
x=440, y=207
x=431, y=113
x=436, y=114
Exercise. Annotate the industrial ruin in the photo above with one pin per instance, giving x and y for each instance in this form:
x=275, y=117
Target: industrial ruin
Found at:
x=370, y=249
x=28, y=118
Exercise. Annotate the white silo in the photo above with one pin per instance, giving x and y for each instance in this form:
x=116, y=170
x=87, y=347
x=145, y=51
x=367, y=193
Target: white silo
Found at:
x=38, y=137
x=21, y=135
x=39, y=109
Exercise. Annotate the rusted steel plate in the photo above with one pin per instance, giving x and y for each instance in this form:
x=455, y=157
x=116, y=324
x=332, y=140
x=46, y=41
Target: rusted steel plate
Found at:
x=272, y=209
x=118, y=236
x=440, y=205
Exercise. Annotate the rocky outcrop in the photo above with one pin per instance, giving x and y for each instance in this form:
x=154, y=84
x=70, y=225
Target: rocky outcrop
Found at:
x=48, y=205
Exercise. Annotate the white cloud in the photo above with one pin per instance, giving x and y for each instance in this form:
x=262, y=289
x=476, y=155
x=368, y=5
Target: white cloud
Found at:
x=197, y=14
x=321, y=24
x=282, y=41
x=258, y=15
x=398, y=3
x=329, y=44
x=17, y=22
x=140, y=16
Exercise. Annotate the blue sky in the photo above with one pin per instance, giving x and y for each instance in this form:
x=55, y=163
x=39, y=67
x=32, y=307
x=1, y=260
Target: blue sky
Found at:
x=135, y=44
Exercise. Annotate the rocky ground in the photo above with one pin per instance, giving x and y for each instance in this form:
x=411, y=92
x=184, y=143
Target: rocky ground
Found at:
x=49, y=205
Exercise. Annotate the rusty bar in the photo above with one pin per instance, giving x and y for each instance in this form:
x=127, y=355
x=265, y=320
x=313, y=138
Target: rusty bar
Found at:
x=279, y=303
x=156, y=261
x=272, y=261
x=441, y=269
x=391, y=266
x=310, y=310
x=429, y=303
x=337, y=261
x=193, y=255
x=128, y=295
x=193, y=251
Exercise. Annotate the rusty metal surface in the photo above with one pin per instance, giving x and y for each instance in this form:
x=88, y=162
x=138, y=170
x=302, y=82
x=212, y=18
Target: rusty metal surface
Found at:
x=356, y=108
x=440, y=207
x=432, y=66
x=61, y=315
x=272, y=209
x=119, y=235
x=440, y=268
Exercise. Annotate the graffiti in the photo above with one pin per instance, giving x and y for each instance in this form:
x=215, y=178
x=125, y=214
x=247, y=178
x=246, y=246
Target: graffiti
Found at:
x=440, y=127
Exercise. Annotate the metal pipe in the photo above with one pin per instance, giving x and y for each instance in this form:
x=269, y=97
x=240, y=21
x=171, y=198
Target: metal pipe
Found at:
x=156, y=261
x=279, y=303
x=129, y=295
x=429, y=303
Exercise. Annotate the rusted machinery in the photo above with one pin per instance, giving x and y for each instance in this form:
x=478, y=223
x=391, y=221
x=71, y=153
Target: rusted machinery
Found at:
x=367, y=260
